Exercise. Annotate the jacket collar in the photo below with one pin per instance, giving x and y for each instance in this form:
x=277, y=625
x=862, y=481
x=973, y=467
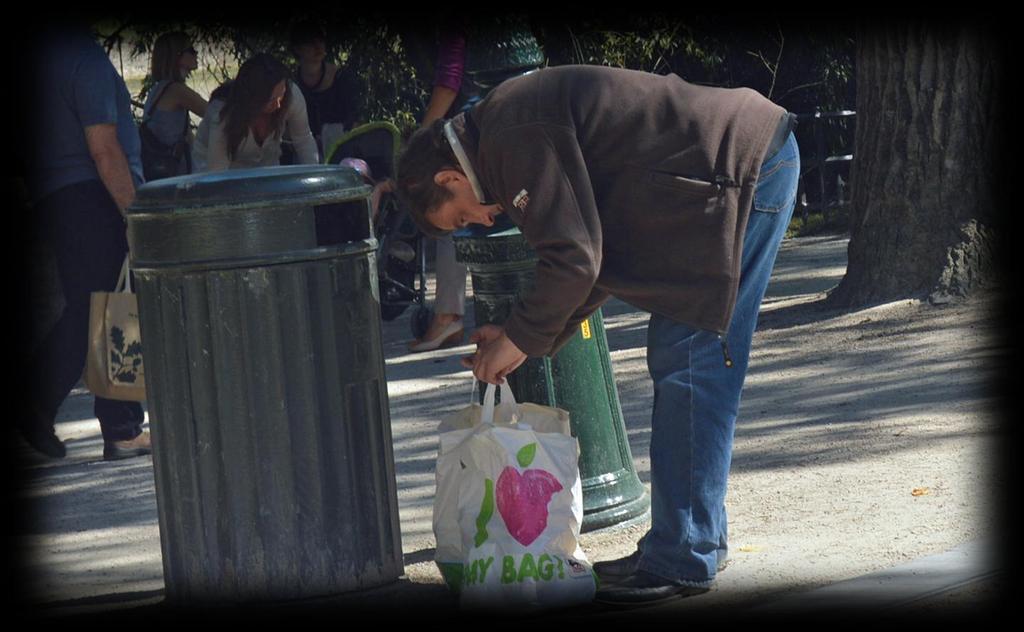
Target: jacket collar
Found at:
x=461, y=132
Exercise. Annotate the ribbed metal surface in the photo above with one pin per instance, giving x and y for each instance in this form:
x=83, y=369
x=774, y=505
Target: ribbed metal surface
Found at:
x=272, y=439
x=241, y=218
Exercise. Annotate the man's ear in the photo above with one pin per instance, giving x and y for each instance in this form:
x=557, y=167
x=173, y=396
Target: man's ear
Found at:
x=447, y=176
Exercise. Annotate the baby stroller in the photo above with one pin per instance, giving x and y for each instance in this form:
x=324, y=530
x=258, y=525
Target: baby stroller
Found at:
x=372, y=149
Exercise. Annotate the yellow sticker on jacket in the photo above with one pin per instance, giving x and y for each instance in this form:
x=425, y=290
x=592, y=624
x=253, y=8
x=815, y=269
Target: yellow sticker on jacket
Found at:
x=585, y=328
x=521, y=200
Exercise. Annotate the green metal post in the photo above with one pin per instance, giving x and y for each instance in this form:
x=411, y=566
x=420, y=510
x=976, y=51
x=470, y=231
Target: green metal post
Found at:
x=578, y=379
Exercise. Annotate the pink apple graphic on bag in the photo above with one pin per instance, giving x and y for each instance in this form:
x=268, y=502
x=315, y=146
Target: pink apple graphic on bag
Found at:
x=523, y=498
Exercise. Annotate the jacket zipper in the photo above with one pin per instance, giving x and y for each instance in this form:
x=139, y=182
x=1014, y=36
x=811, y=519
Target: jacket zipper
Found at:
x=720, y=183
x=723, y=182
x=725, y=351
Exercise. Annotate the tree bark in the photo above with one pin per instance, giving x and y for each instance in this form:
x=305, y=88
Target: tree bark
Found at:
x=929, y=129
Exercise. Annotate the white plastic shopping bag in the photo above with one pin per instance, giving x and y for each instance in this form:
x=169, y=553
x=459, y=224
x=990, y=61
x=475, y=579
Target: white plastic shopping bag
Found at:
x=509, y=506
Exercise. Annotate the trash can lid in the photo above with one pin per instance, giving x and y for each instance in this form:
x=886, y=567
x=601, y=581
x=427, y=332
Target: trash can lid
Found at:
x=293, y=185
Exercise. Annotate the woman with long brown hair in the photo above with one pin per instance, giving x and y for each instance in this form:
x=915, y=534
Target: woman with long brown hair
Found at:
x=169, y=100
x=262, y=109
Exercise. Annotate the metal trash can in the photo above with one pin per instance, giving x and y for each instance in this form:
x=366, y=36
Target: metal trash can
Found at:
x=267, y=396
x=578, y=379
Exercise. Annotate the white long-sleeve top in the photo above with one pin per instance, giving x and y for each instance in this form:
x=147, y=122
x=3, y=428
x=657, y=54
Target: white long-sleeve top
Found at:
x=210, y=152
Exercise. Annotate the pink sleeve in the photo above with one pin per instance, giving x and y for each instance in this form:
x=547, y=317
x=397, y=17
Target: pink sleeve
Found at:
x=451, y=61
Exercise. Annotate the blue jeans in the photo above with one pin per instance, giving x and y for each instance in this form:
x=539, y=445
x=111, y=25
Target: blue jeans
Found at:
x=697, y=398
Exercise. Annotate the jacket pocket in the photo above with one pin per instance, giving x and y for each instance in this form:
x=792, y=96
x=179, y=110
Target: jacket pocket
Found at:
x=778, y=180
x=685, y=185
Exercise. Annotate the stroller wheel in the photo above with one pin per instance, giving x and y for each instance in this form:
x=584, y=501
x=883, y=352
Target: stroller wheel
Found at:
x=420, y=321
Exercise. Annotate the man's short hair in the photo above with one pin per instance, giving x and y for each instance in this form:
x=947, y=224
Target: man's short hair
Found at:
x=426, y=154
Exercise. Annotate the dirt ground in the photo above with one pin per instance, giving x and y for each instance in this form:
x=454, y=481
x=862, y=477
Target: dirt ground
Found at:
x=866, y=438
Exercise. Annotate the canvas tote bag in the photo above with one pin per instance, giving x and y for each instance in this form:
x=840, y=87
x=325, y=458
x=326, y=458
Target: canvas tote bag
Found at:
x=113, y=367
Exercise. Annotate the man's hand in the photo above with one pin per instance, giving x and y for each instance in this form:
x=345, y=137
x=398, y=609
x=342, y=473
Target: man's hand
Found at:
x=496, y=356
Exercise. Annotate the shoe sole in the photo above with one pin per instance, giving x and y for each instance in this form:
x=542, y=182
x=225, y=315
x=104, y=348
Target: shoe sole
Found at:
x=453, y=340
x=121, y=455
x=624, y=605
x=50, y=446
x=630, y=605
x=49, y=452
x=612, y=578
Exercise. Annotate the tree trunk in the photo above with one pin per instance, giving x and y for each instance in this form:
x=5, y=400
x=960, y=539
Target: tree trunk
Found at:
x=925, y=160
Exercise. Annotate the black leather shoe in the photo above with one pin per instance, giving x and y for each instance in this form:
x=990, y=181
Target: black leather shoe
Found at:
x=643, y=589
x=45, y=440
x=616, y=570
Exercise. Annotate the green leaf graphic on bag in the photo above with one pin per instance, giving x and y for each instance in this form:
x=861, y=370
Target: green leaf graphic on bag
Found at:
x=526, y=455
x=486, y=512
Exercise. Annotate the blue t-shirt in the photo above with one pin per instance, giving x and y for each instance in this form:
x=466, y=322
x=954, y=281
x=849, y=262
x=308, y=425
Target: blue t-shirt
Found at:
x=76, y=86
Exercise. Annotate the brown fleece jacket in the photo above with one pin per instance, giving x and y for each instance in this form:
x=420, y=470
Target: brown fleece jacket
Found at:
x=626, y=184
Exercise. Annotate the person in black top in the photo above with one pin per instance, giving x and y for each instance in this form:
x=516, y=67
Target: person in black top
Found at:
x=331, y=93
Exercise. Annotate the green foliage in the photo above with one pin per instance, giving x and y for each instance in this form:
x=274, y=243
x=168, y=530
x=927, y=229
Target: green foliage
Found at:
x=836, y=221
x=799, y=64
x=649, y=50
x=392, y=91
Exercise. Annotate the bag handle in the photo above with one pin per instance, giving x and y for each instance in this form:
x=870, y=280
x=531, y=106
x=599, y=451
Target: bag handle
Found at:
x=487, y=414
x=124, y=280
